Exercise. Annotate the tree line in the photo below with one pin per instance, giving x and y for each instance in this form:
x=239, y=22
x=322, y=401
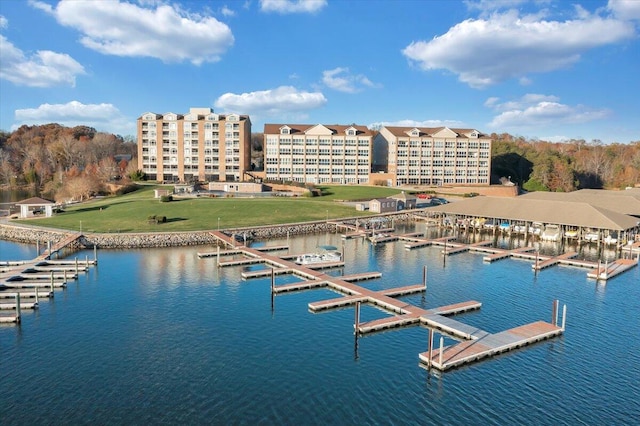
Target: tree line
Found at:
x=63, y=163
x=565, y=166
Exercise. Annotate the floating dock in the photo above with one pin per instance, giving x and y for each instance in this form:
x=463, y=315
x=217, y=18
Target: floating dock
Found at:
x=478, y=343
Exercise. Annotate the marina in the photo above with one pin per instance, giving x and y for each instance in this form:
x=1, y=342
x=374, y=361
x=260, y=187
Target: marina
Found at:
x=403, y=314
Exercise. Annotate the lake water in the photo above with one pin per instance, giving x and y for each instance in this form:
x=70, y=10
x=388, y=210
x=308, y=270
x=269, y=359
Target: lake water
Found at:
x=163, y=337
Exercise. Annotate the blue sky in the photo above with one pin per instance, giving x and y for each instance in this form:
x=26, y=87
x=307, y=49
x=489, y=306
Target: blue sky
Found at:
x=553, y=70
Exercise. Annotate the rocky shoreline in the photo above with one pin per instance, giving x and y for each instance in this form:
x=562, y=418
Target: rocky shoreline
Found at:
x=35, y=235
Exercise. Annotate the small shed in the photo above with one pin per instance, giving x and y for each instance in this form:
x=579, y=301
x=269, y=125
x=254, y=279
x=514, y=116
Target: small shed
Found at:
x=35, y=206
x=382, y=205
x=405, y=201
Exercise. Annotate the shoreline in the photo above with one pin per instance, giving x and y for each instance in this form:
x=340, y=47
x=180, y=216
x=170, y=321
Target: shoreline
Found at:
x=35, y=235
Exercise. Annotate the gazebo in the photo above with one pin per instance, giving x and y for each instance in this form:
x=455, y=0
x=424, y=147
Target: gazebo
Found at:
x=30, y=206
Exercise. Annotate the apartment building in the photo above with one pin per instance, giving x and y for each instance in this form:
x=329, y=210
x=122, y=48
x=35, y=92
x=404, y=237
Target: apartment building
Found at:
x=338, y=154
x=432, y=156
x=198, y=146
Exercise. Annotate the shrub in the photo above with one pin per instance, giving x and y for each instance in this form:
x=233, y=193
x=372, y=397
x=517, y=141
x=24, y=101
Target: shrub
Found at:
x=156, y=219
x=166, y=198
x=127, y=189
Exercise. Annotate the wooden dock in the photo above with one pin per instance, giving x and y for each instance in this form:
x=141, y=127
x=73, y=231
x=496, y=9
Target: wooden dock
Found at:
x=479, y=343
x=488, y=345
x=607, y=271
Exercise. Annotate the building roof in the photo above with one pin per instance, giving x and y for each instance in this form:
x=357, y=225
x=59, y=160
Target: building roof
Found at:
x=403, y=196
x=35, y=201
x=626, y=202
x=568, y=213
x=337, y=129
x=430, y=131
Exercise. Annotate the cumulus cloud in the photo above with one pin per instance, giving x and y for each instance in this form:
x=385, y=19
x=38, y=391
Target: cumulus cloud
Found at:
x=292, y=6
x=625, y=9
x=535, y=110
x=43, y=68
x=102, y=117
x=284, y=100
x=341, y=80
x=417, y=123
x=4, y=23
x=505, y=45
x=160, y=31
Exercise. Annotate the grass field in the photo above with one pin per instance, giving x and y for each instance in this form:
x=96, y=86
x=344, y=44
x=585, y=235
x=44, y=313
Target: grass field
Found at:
x=130, y=212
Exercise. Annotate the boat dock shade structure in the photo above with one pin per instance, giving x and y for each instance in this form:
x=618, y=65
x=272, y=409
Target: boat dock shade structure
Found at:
x=625, y=202
x=525, y=209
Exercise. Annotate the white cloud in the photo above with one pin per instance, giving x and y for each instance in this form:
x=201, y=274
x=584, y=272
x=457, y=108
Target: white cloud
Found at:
x=4, y=23
x=160, y=31
x=102, y=117
x=44, y=68
x=535, y=110
x=416, y=123
x=292, y=6
x=487, y=51
x=339, y=79
x=227, y=12
x=625, y=9
x=284, y=100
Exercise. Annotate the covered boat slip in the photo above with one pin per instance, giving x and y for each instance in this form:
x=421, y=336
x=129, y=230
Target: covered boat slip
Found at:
x=402, y=313
x=599, y=222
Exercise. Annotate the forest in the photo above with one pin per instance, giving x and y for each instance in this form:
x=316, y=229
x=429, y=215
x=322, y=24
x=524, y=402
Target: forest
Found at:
x=62, y=163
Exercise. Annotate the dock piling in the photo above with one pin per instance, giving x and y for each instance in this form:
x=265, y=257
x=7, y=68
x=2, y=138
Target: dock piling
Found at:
x=564, y=316
x=554, y=312
x=356, y=326
x=441, y=350
x=273, y=280
x=18, y=307
x=95, y=253
x=37, y=301
x=65, y=276
x=430, y=347
x=76, y=266
x=424, y=277
x=218, y=256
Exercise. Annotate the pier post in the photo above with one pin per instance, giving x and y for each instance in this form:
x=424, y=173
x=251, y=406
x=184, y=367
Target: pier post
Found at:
x=52, y=288
x=441, y=350
x=218, y=256
x=273, y=280
x=356, y=326
x=430, y=347
x=65, y=276
x=537, y=260
x=38, y=247
x=37, y=299
x=76, y=266
x=87, y=261
x=95, y=253
x=18, y=307
x=49, y=247
x=554, y=312
x=564, y=316
x=424, y=277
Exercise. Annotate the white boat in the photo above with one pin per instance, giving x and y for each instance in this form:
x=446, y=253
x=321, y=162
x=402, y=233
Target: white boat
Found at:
x=327, y=254
x=551, y=232
x=536, y=228
x=610, y=240
x=591, y=236
x=571, y=233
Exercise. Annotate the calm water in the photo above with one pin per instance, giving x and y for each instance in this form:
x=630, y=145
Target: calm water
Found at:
x=162, y=337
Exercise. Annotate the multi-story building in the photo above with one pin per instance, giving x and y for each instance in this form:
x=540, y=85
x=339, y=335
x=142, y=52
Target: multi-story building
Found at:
x=318, y=153
x=432, y=156
x=198, y=146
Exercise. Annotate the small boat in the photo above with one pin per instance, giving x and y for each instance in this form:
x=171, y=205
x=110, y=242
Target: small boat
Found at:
x=610, y=239
x=505, y=227
x=591, y=236
x=536, y=228
x=551, y=232
x=571, y=233
x=326, y=254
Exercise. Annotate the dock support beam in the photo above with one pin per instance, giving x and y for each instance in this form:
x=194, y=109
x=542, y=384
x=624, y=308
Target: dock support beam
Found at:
x=356, y=327
x=441, y=350
x=430, y=347
x=17, y=307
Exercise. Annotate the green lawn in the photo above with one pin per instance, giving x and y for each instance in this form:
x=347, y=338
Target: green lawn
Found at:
x=129, y=213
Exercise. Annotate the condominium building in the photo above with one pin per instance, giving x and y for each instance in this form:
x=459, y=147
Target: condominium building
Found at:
x=339, y=154
x=198, y=146
x=432, y=156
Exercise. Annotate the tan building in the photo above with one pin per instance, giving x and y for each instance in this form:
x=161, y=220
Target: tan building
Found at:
x=432, y=156
x=198, y=146
x=318, y=153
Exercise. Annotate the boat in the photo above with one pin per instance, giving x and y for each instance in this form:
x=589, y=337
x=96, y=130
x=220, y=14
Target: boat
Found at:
x=571, y=233
x=536, y=228
x=505, y=227
x=610, y=239
x=551, y=232
x=327, y=254
x=591, y=236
